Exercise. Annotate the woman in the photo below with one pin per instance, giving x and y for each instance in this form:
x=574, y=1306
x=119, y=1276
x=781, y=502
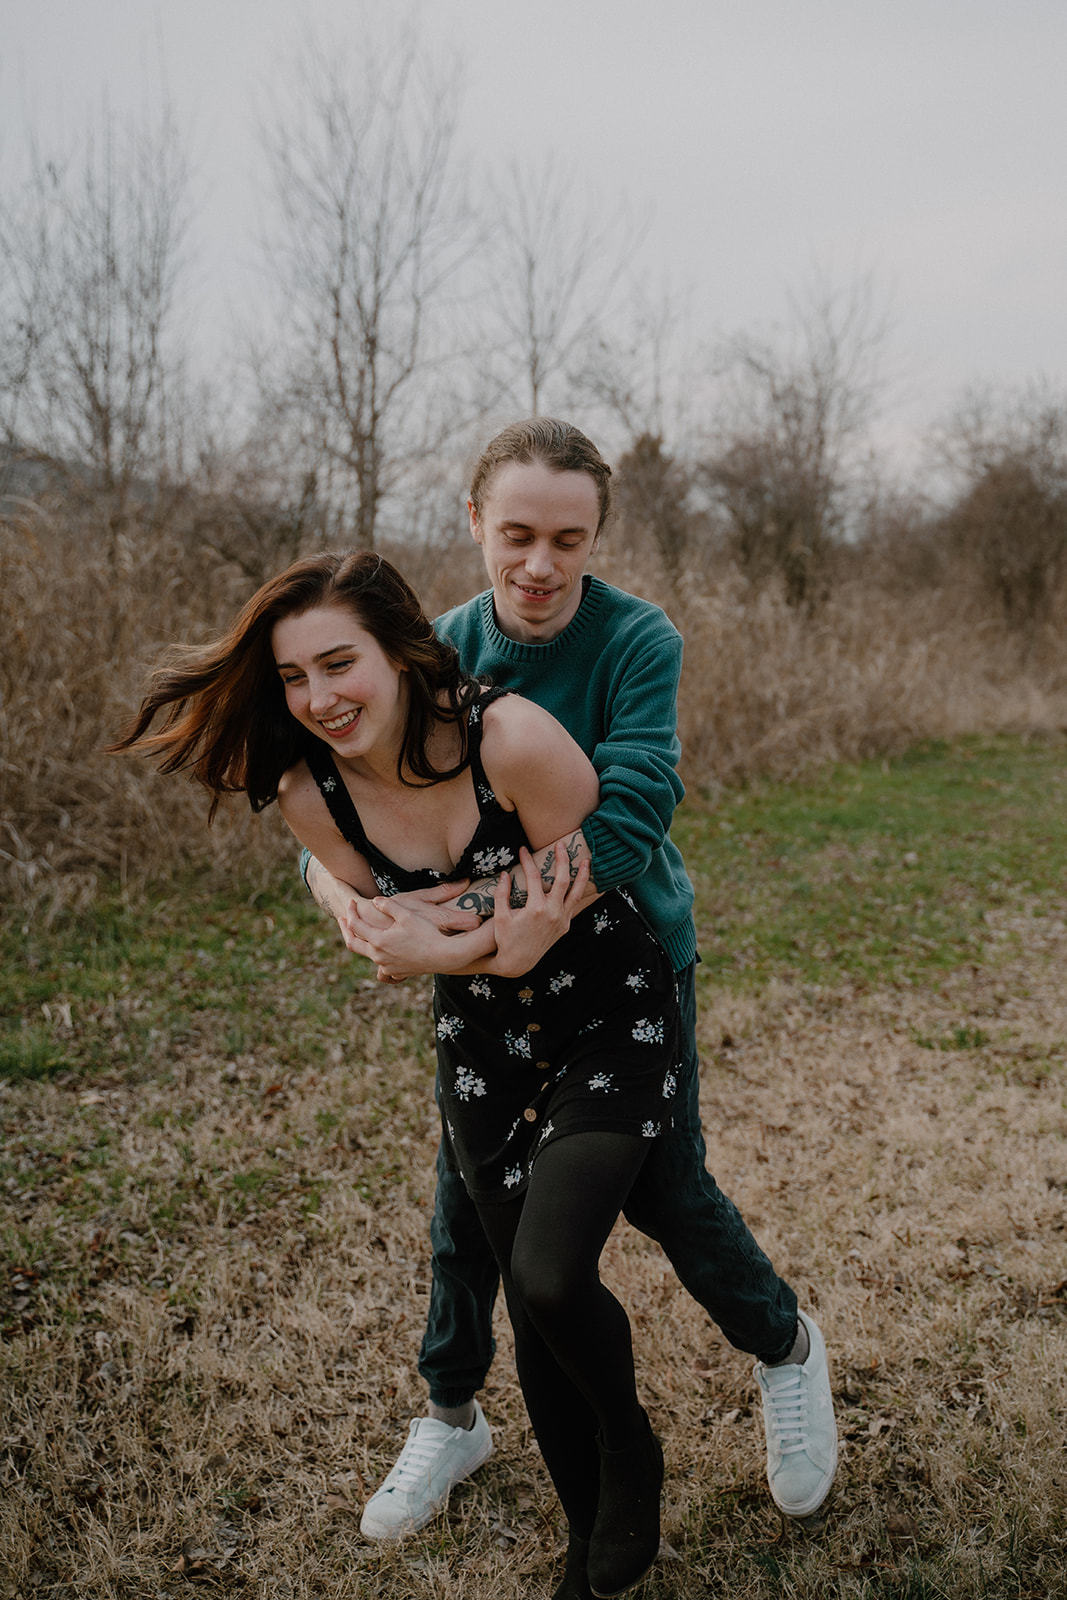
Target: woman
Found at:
x=557, y=1024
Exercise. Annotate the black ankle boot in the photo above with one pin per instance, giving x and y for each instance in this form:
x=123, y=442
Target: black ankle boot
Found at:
x=575, y=1585
x=625, y=1538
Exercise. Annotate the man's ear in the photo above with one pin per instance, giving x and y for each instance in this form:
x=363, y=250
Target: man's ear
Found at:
x=476, y=532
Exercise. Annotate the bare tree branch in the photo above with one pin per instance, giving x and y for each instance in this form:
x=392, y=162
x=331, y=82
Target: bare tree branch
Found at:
x=795, y=413
x=90, y=254
x=368, y=237
x=554, y=263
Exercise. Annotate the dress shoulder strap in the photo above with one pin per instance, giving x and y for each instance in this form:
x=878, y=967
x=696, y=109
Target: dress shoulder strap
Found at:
x=482, y=787
x=323, y=769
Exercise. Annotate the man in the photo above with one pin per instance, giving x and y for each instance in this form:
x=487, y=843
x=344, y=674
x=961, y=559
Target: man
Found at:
x=607, y=666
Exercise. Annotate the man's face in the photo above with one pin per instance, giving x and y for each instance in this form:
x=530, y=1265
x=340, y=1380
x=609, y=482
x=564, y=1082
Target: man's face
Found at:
x=537, y=530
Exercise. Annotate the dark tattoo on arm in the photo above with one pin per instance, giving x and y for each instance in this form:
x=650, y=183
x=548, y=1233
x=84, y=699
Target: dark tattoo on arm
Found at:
x=572, y=849
x=479, y=897
x=478, y=900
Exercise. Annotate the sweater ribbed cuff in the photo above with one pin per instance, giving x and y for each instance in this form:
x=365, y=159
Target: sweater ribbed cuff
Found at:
x=613, y=863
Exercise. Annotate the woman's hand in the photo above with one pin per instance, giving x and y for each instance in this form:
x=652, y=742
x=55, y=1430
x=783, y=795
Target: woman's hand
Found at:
x=407, y=935
x=361, y=920
x=525, y=933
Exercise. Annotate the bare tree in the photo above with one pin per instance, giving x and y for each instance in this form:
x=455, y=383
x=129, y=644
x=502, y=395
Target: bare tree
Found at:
x=1007, y=453
x=553, y=263
x=90, y=253
x=651, y=493
x=368, y=237
x=640, y=368
x=796, y=408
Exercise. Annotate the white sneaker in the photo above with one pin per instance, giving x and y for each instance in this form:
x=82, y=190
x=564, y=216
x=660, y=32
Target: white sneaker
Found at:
x=435, y=1458
x=798, y=1418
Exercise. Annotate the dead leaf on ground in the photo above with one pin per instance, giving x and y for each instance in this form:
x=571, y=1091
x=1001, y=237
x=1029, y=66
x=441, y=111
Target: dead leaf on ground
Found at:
x=901, y=1528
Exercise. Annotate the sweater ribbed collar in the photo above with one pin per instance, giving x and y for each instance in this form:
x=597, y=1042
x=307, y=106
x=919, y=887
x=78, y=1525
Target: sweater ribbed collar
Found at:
x=594, y=598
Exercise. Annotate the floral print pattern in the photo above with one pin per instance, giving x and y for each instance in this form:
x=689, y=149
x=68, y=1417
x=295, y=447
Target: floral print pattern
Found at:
x=646, y=1032
x=492, y=860
x=468, y=1083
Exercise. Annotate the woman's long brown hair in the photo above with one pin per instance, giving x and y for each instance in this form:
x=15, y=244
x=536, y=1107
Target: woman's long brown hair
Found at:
x=224, y=715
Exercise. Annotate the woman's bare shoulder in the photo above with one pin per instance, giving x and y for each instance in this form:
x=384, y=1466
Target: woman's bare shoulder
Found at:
x=297, y=790
x=525, y=746
x=513, y=721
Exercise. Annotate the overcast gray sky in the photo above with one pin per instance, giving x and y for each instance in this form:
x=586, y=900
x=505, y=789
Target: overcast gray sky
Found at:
x=922, y=140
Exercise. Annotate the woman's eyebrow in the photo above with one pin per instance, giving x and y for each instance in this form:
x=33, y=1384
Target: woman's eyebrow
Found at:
x=321, y=656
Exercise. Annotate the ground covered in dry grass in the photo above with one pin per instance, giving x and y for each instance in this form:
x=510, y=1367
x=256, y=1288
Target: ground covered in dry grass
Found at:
x=218, y=1141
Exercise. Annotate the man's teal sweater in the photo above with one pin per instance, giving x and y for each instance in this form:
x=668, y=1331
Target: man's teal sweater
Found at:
x=611, y=678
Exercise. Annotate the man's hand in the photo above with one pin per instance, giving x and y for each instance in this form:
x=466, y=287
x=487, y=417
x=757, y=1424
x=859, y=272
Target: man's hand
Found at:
x=525, y=933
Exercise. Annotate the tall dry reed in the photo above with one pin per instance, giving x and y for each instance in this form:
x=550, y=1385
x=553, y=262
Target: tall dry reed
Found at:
x=766, y=688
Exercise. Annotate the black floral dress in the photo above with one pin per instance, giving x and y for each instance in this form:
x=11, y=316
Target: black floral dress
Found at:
x=587, y=1041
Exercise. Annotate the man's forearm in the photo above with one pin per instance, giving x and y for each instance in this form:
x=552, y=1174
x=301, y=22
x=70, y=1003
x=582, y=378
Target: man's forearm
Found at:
x=479, y=897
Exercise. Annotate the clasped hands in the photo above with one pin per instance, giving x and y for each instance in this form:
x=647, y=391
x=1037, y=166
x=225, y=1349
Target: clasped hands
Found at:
x=423, y=930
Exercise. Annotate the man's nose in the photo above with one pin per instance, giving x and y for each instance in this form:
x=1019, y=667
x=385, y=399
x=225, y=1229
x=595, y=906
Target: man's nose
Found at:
x=539, y=561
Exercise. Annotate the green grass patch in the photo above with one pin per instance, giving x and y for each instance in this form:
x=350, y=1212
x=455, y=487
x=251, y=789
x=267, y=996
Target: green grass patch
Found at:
x=882, y=872
x=115, y=988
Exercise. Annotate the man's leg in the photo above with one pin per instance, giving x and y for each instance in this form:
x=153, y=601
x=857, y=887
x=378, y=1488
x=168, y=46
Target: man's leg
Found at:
x=458, y=1345
x=677, y=1202
x=453, y=1440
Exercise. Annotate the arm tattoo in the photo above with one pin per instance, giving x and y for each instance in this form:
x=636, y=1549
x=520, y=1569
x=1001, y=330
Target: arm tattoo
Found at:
x=573, y=850
x=479, y=897
x=479, y=900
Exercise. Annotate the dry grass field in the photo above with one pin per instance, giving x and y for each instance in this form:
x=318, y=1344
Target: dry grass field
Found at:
x=215, y=1191
x=218, y=1131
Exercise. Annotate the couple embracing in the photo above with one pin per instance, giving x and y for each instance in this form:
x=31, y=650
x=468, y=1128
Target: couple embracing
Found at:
x=489, y=799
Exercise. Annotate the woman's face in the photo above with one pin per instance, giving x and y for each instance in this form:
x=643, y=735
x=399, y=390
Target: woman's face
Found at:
x=339, y=682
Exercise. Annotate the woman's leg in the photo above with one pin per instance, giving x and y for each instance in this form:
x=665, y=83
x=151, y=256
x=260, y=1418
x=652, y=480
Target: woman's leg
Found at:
x=572, y=1337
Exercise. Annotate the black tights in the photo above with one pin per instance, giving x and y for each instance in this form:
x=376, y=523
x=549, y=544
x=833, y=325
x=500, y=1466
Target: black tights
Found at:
x=572, y=1337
